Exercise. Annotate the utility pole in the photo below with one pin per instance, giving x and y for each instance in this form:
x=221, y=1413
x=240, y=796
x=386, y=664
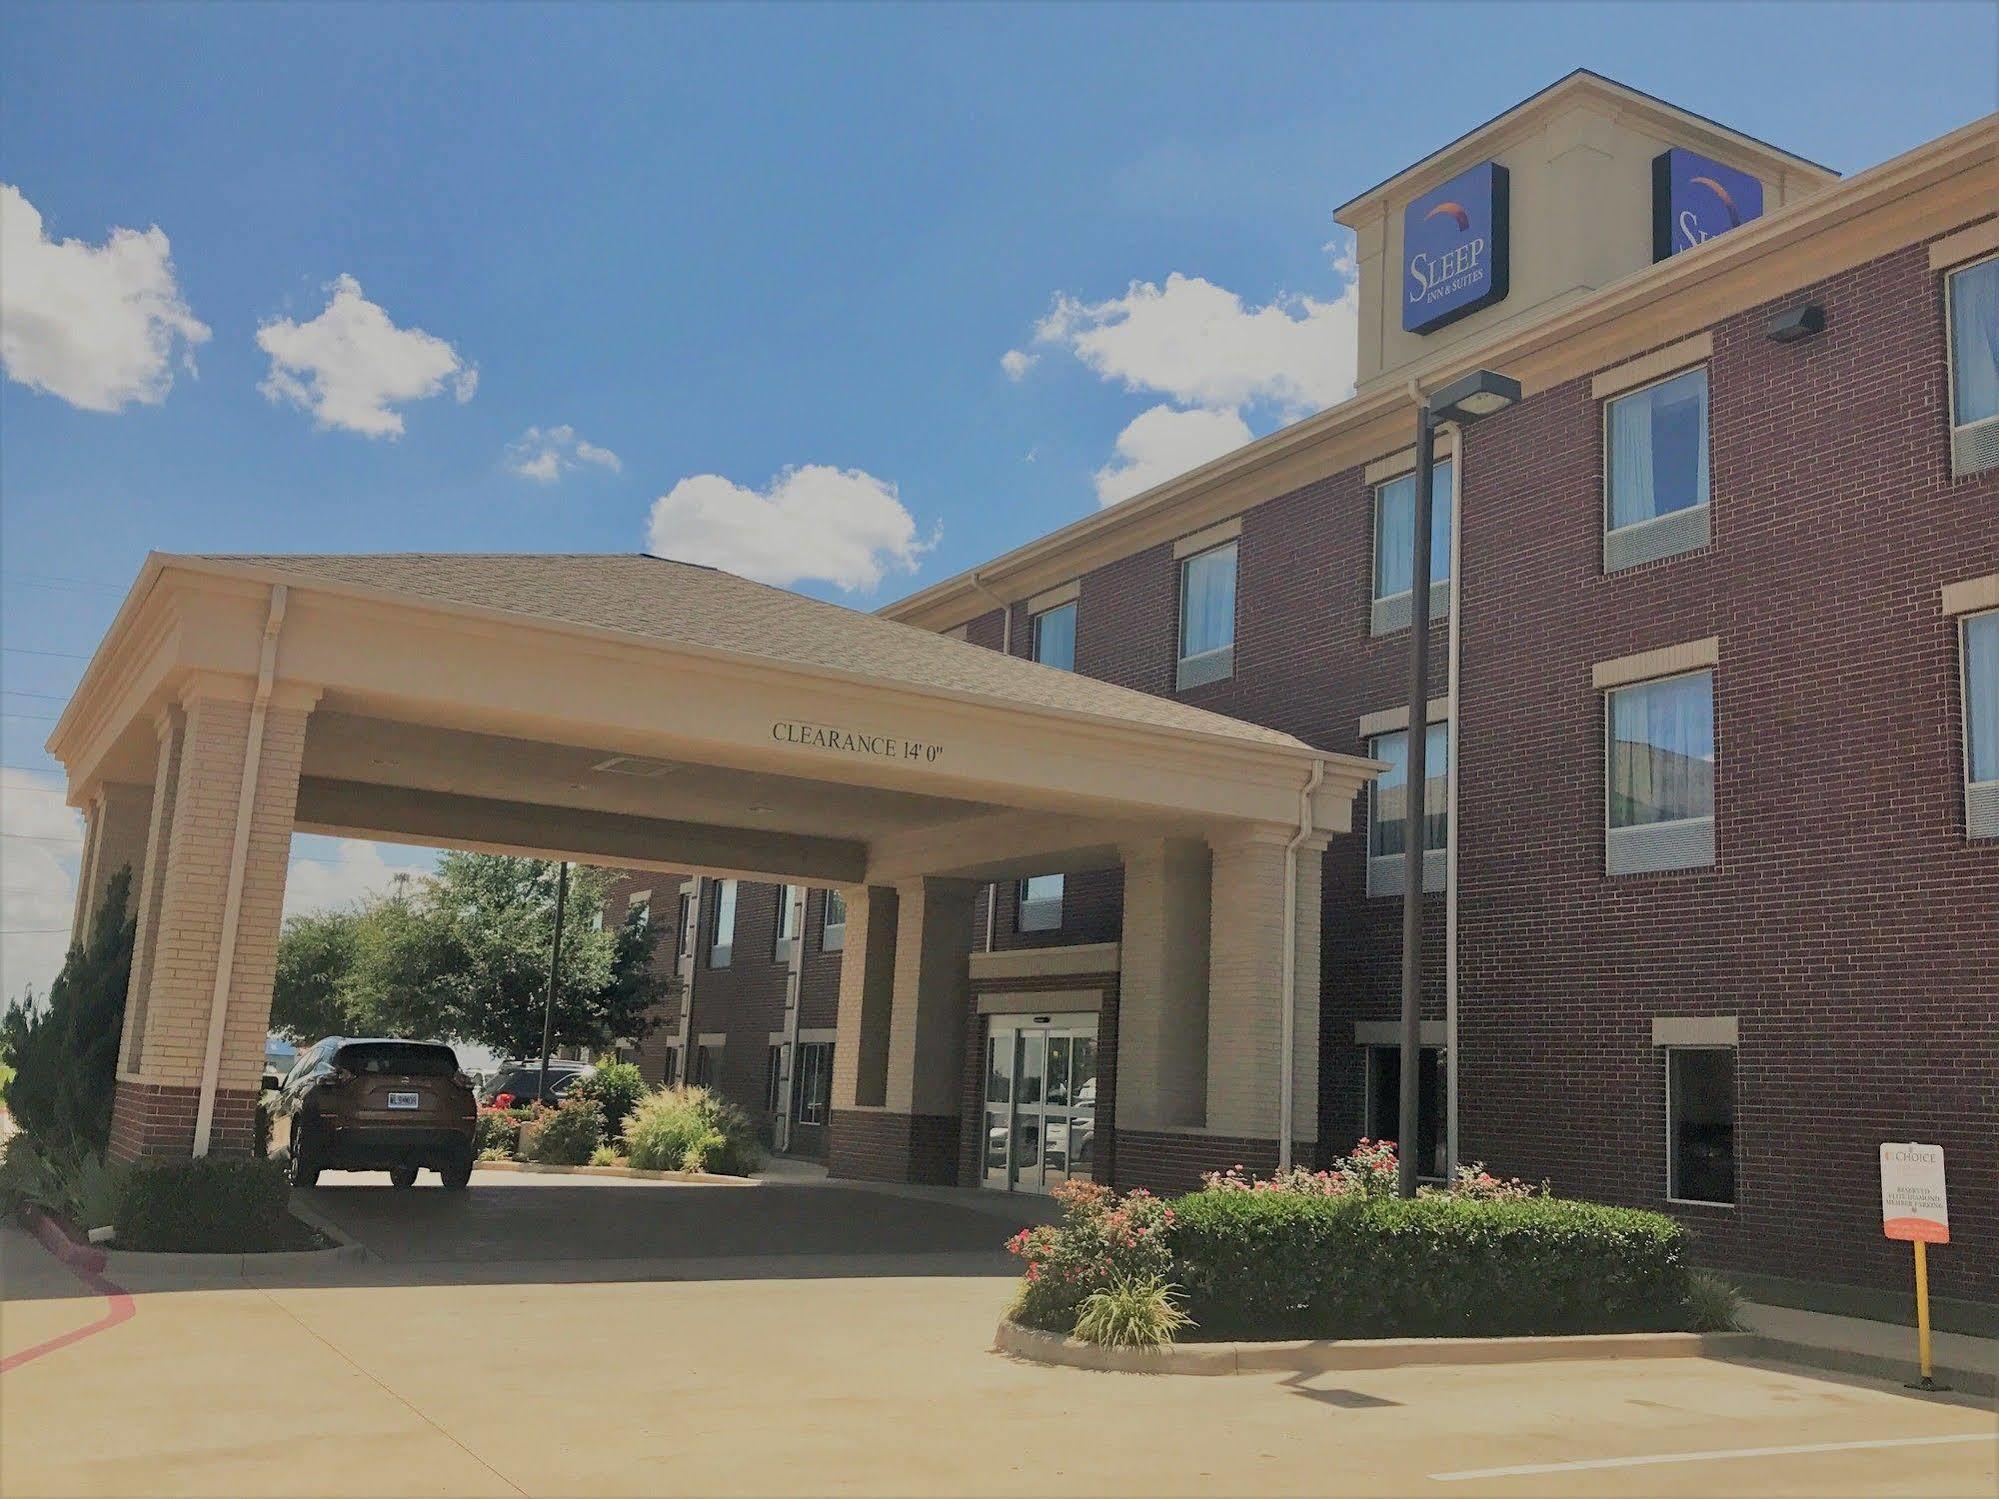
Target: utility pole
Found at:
x=554, y=968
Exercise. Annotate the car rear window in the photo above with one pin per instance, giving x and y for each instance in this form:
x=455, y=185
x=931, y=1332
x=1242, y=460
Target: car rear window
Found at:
x=398, y=1058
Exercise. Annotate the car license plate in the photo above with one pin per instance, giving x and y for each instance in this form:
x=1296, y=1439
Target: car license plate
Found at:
x=405, y=1100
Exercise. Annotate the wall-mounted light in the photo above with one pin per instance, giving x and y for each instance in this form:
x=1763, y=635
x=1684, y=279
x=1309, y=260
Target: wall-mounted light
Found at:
x=1796, y=325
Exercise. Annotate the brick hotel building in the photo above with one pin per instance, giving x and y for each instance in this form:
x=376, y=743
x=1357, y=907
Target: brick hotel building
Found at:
x=1722, y=703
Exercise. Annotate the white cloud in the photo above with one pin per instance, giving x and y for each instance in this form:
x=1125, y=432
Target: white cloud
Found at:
x=547, y=453
x=1201, y=345
x=339, y=872
x=1165, y=442
x=38, y=860
x=351, y=365
x=1017, y=362
x=841, y=526
x=96, y=325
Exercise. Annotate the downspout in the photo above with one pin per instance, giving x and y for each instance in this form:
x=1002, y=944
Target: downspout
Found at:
x=1006, y=648
x=1451, y=736
x=1287, y=1045
x=239, y=856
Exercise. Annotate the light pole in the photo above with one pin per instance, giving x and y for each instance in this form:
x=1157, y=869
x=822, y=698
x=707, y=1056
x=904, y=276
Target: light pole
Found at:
x=1463, y=401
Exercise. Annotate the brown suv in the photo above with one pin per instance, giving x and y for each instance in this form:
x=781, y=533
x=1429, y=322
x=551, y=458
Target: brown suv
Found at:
x=377, y=1105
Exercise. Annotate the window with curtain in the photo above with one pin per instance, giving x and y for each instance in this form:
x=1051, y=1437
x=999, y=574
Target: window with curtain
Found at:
x=1395, y=532
x=1974, y=343
x=1661, y=752
x=722, y=940
x=1040, y=903
x=833, y=930
x=1207, y=602
x=1055, y=637
x=1658, y=450
x=1386, y=806
x=1981, y=698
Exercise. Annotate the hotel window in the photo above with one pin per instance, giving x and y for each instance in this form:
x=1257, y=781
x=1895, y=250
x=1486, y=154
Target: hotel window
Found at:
x=833, y=929
x=1655, y=454
x=1973, y=294
x=814, y=1089
x=1981, y=724
x=1055, y=637
x=1207, y=616
x=787, y=921
x=773, y=1078
x=669, y=1073
x=1700, y=1124
x=1040, y=904
x=1659, y=775
x=1395, y=549
x=707, y=1064
x=1384, y=1104
x=1386, y=864
x=722, y=935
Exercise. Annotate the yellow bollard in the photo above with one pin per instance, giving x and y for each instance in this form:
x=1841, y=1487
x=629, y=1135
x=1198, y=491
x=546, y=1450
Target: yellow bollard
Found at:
x=1923, y=1311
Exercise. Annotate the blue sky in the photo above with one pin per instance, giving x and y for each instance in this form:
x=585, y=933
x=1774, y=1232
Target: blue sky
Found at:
x=724, y=246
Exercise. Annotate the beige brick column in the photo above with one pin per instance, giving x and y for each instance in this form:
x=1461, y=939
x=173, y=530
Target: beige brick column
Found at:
x=1246, y=984
x=1162, y=1033
x=149, y=881
x=115, y=839
x=867, y=997
x=190, y=891
x=933, y=989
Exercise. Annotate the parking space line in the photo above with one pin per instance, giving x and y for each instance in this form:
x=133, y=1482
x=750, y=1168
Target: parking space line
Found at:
x=1721, y=1455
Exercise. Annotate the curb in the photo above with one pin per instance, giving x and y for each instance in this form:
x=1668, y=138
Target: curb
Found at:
x=55, y=1237
x=1764, y=1347
x=693, y=1178
x=1318, y=1355
x=94, y=1260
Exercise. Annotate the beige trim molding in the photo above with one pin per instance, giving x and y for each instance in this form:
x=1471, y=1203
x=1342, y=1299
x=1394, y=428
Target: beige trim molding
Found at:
x=1055, y=598
x=1045, y=962
x=1395, y=465
x=1688, y=351
x=1666, y=661
x=1391, y=720
x=1389, y=1033
x=1043, y=1002
x=817, y=1035
x=711, y=1038
x=1694, y=1030
x=1966, y=244
x=1213, y=536
x=1971, y=595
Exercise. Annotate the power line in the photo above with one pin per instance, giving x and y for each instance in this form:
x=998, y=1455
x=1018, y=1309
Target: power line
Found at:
x=53, y=580
x=31, y=931
x=54, y=697
x=32, y=717
x=22, y=650
x=44, y=838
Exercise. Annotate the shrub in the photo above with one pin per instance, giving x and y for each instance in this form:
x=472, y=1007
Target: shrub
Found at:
x=1290, y=1265
x=691, y=1129
x=604, y=1155
x=65, y=1051
x=1371, y=1171
x=1713, y=1304
x=617, y=1087
x=497, y=1136
x=1102, y=1241
x=1132, y=1314
x=211, y=1206
x=80, y=1189
x=566, y=1136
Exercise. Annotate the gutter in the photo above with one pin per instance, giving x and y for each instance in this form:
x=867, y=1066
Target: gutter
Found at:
x=1451, y=736
x=239, y=854
x=1287, y=1045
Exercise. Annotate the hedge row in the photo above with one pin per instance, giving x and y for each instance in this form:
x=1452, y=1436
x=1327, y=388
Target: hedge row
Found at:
x=1260, y=1265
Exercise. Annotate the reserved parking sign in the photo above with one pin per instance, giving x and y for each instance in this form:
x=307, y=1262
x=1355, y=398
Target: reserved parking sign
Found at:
x=1914, y=1204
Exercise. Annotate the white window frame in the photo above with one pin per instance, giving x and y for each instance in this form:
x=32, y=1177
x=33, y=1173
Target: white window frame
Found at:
x=1688, y=823
x=832, y=934
x=1387, y=872
x=1390, y=612
x=1960, y=470
x=1034, y=628
x=1218, y=663
x=805, y=1109
x=1031, y=915
x=1641, y=540
x=1735, y=1119
x=788, y=911
x=1981, y=798
x=721, y=936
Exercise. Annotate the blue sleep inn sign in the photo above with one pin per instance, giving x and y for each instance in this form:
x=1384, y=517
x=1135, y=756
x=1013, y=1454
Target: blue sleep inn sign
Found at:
x=1694, y=198
x=1454, y=249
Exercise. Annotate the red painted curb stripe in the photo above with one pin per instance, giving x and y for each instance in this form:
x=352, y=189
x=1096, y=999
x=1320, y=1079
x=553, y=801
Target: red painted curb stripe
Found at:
x=85, y=1262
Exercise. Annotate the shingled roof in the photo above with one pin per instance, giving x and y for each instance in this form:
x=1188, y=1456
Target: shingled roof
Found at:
x=683, y=604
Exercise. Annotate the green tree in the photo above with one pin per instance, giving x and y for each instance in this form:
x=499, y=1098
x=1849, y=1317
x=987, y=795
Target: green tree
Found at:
x=310, y=997
x=65, y=1052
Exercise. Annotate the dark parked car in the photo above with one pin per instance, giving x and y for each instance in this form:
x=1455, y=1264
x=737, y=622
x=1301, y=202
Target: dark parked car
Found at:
x=517, y=1082
x=377, y=1105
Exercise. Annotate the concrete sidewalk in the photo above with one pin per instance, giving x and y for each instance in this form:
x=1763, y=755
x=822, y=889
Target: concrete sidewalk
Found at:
x=1880, y=1350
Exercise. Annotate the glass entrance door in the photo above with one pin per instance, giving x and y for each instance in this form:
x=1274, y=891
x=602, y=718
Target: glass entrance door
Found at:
x=1041, y=1101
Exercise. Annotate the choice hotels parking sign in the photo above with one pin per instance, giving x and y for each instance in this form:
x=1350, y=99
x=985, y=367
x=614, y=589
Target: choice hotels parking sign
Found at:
x=1454, y=243
x=1695, y=198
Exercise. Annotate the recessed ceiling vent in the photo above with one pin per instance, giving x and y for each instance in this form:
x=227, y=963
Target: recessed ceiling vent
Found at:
x=635, y=765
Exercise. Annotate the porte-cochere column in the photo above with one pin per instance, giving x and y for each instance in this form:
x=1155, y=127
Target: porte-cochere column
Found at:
x=210, y=902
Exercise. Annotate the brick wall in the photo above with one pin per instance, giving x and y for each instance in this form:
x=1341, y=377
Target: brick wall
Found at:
x=868, y=1145
x=153, y=1120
